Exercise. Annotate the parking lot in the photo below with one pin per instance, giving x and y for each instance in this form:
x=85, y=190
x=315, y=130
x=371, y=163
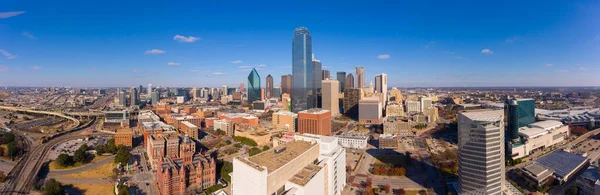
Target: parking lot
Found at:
x=69, y=147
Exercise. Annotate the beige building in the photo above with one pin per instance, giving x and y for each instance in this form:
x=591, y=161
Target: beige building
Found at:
x=395, y=95
x=394, y=109
x=397, y=126
x=432, y=114
x=413, y=106
x=285, y=119
x=259, y=134
x=330, y=99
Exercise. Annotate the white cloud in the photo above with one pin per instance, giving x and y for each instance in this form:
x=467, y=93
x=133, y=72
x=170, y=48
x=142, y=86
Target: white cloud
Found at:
x=549, y=65
x=244, y=67
x=582, y=68
x=135, y=70
x=189, y=39
x=237, y=62
x=218, y=73
x=173, y=64
x=562, y=71
x=487, y=52
x=262, y=65
x=511, y=40
x=36, y=68
x=154, y=52
x=10, y=14
x=4, y=69
x=8, y=55
x=28, y=35
x=383, y=56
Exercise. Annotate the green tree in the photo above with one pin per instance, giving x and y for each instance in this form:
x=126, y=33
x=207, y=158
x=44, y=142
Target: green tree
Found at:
x=123, y=190
x=245, y=140
x=79, y=156
x=64, y=160
x=254, y=151
x=13, y=150
x=572, y=191
x=111, y=147
x=265, y=148
x=8, y=137
x=123, y=155
x=100, y=149
x=53, y=187
x=226, y=168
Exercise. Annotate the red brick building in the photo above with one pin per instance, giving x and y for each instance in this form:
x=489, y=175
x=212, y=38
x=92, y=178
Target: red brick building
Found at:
x=315, y=121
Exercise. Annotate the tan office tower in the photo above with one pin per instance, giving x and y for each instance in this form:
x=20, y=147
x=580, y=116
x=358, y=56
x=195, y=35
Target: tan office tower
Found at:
x=481, y=152
x=395, y=95
x=330, y=96
x=360, y=77
x=286, y=84
x=381, y=85
x=351, y=98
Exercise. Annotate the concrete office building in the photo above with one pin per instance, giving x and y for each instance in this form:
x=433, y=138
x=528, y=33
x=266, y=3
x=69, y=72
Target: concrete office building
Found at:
x=381, y=86
x=149, y=91
x=394, y=109
x=353, y=140
x=351, y=98
x=481, y=152
x=413, y=106
x=317, y=76
x=285, y=119
x=349, y=83
x=360, y=77
x=122, y=98
x=314, y=121
x=341, y=78
x=370, y=110
x=397, y=126
x=426, y=103
x=155, y=97
x=330, y=96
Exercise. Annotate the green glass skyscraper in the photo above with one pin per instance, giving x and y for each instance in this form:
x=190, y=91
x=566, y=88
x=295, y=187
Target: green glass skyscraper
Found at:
x=253, y=86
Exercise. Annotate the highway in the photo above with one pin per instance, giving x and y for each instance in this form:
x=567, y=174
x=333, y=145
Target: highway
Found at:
x=20, y=179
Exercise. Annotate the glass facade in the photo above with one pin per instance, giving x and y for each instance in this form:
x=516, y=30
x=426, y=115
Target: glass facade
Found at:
x=303, y=90
x=520, y=113
x=341, y=77
x=253, y=86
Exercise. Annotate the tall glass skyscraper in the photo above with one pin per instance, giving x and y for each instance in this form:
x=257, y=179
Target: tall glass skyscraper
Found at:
x=303, y=89
x=253, y=86
x=341, y=77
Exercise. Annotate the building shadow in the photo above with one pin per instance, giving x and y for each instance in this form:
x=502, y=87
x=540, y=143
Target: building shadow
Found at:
x=448, y=132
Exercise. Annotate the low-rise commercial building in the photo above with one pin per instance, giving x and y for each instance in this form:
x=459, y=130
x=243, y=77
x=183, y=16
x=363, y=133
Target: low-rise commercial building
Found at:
x=190, y=129
x=314, y=121
x=397, y=126
x=388, y=141
x=537, y=136
x=353, y=140
x=589, y=181
x=285, y=119
x=124, y=137
x=394, y=109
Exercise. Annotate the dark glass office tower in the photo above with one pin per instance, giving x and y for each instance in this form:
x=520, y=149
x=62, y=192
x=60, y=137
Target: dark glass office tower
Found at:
x=303, y=89
x=253, y=86
x=520, y=113
x=341, y=77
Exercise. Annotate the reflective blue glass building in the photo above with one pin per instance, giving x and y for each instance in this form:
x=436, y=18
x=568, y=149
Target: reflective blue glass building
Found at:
x=303, y=89
x=253, y=86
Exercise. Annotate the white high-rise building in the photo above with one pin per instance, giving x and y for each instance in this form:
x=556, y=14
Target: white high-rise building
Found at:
x=426, y=103
x=381, y=85
x=413, y=106
x=481, y=152
x=149, y=92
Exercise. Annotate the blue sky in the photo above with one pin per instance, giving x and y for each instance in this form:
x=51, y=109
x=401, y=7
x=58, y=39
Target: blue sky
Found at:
x=212, y=43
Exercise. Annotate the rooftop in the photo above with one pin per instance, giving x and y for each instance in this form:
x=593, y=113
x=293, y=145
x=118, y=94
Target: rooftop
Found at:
x=538, y=171
x=530, y=132
x=187, y=123
x=547, y=125
x=124, y=131
x=563, y=163
x=591, y=173
x=274, y=160
x=484, y=115
x=371, y=99
x=288, y=113
x=305, y=175
x=314, y=111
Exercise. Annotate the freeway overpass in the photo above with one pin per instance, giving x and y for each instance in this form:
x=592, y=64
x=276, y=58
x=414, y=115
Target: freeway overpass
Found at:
x=40, y=112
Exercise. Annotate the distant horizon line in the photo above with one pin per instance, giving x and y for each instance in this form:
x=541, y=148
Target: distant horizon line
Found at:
x=389, y=87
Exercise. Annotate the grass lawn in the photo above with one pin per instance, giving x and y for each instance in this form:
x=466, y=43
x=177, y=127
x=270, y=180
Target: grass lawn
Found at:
x=53, y=166
x=103, y=171
x=96, y=189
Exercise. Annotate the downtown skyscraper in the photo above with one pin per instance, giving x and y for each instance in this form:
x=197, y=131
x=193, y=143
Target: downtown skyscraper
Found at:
x=253, y=86
x=341, y=77
x=286, y=84
x=359, y=73
x=269, y=87
x=381, y=85
x=481, y=151
x=303, y=89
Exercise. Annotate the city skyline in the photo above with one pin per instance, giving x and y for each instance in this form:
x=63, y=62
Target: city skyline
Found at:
x=207, y=44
